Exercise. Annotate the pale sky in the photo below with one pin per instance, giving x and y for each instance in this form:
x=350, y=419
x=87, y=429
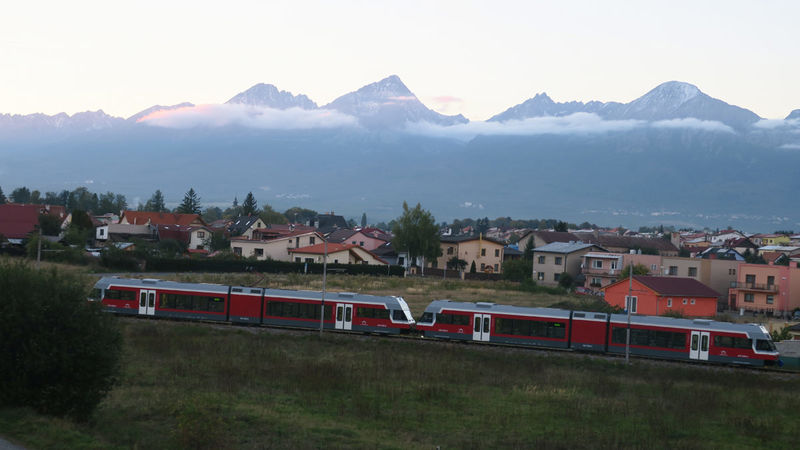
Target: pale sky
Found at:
x=475, y=58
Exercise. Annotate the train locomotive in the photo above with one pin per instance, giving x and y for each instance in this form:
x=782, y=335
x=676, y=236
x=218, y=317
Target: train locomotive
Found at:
x=250, y=305
x=650, y=336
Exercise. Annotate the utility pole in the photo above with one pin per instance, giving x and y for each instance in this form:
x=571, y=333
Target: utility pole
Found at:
x=324, y=280
x=628, y=308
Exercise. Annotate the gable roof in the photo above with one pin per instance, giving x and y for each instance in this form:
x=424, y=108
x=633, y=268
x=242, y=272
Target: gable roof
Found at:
x=340, y=236
x=326, y=223
x=459, y=239
x=242, y=224
x=629, y=242
x=160, y=218
x=673, y=286
x=319, y=249
x=555, y=236
x=19, y=220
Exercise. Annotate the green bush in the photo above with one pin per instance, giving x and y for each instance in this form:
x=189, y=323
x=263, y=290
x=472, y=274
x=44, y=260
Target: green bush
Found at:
x=59, y=354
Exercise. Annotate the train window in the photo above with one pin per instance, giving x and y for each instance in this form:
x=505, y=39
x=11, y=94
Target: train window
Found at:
x=255, y=291
x=192, y=302
x=765, y=345
x=453, y=319
x=373, y=313
x=704, y=343
x=525, y=327
x=477, y=324
x=427, y=317
x=485, y=324
x=399, y=314
x=578, y=315
x=142, y=300
x=236, y=290
x=117, y=294
x=339, y=313
x=650, y=338
x=694, y=342
x=348, y=314
x=599, y=316
x=732, y=342
x=297, y=310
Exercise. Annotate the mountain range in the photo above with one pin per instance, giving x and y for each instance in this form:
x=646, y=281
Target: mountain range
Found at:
x=674, y=156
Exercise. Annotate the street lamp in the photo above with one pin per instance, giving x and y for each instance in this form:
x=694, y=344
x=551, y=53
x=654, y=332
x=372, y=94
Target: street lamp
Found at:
x=324, y=280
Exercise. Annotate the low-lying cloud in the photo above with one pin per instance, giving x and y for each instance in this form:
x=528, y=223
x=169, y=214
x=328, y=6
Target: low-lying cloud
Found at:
x=696, y=124
x=248, y=116
x=586, y=123
x=771, y=124
x=578, y=123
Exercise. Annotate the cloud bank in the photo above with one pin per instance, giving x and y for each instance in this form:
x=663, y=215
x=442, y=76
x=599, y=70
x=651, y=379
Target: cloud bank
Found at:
x=248, y=116
x=578, y=123
x=771, y=124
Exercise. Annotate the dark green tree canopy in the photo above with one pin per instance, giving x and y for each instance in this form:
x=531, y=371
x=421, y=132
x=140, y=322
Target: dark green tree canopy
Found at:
x=364, y=220
x=21, y=195
x=297, y=214
x=249, y=206
x=190, y=203
x=638, y=269
x=2, y=196
x=155, y=203
x=269, y=215
x=417, y=233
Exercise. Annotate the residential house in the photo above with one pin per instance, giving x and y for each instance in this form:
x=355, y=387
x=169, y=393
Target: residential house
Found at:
x=327, y=223
x=17, y=221
x=160, y=218
x=554, y=259
x=388, y=253
x=274, y=245
x=788, y=250
x=657, y=295
x=510, y=253
x=542, y=238
x=720, y=253
x=245, y=226
x=721, y=237
x=763, y=240
x=337, y=254
x=624, y=244
x=741, y=245
x=485, y=253
x=600, y=269
x=770, y=289
x=360, y=238
x=715, y=273
x=124, y=232
x=195, y=237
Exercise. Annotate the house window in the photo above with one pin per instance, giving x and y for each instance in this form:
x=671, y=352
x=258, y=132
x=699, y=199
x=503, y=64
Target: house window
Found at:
x=496, y=268
x=540, y=276
x=558, y=260
x=770, y=280
x=496, y=253
x=298, y=259
x=692, y=271
x=309, y=260
x=731, y=271
x=540, y=260
x=653, y=268
x=613, y=265
x=361, y=243
x=102, y=232
x=483, y=266
x=449, y=250
x=684, y=301
x=669, y=303
x=748, y=298
x=483, y=252
x=749, y=279
x=259, y=252
x=632, y=303
x=353, y=242
x=556, y=276
x=673, y=270
x=237, y=251
x=770, y=299
x=201, y=234
x=596, y=282
x=401, y=260
x=311, y=240
x=597, y=264
x=692, y=301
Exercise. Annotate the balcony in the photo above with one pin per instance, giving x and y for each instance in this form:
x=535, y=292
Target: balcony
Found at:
x=754, y=286
x=602, y=272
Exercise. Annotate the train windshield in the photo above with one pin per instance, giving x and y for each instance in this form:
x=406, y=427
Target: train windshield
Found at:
x=96, y=295
x=765, y=345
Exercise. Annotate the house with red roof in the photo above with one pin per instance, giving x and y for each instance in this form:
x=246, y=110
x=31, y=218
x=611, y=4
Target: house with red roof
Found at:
x=337, y=254
x=658, y=295
x=17, y=221
x=272, y=243
x=356, y=237
x=160, y=218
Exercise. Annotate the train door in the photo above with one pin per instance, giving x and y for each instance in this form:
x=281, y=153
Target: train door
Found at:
x=698, y=348
x=482, y=325
x=147, y=302
x=344, y=316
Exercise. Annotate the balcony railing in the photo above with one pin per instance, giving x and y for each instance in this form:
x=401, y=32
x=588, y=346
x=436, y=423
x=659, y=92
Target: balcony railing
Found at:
x=594, y=271
x=754, y=286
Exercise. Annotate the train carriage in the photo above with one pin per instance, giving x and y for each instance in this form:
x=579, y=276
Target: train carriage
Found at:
x=490, y=322
x=698, y=340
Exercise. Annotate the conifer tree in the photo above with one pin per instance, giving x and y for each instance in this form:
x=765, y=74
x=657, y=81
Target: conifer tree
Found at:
x=190, y=203
x=249, y=206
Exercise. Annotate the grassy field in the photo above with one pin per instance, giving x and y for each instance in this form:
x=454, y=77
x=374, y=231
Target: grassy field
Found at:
x=197, y=386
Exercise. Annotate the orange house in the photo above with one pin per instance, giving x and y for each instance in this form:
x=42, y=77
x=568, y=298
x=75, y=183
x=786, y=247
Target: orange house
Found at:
x=657, y=295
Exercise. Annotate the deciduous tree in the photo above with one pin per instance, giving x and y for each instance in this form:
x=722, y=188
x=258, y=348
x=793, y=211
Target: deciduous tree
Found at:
x=417, y=233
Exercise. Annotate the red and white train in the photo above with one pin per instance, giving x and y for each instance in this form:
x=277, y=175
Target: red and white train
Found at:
x=240, y=304
x=651, y=336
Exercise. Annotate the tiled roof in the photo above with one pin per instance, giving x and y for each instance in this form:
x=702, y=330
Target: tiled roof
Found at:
x=17, y=220
x=629, y=242
x=160, y=218
x=457, y=239
x=556, y=236
x=319, y=249
x=340, y=236
x=676, y=286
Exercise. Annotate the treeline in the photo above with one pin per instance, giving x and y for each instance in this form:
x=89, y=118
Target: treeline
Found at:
x=81, y=199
